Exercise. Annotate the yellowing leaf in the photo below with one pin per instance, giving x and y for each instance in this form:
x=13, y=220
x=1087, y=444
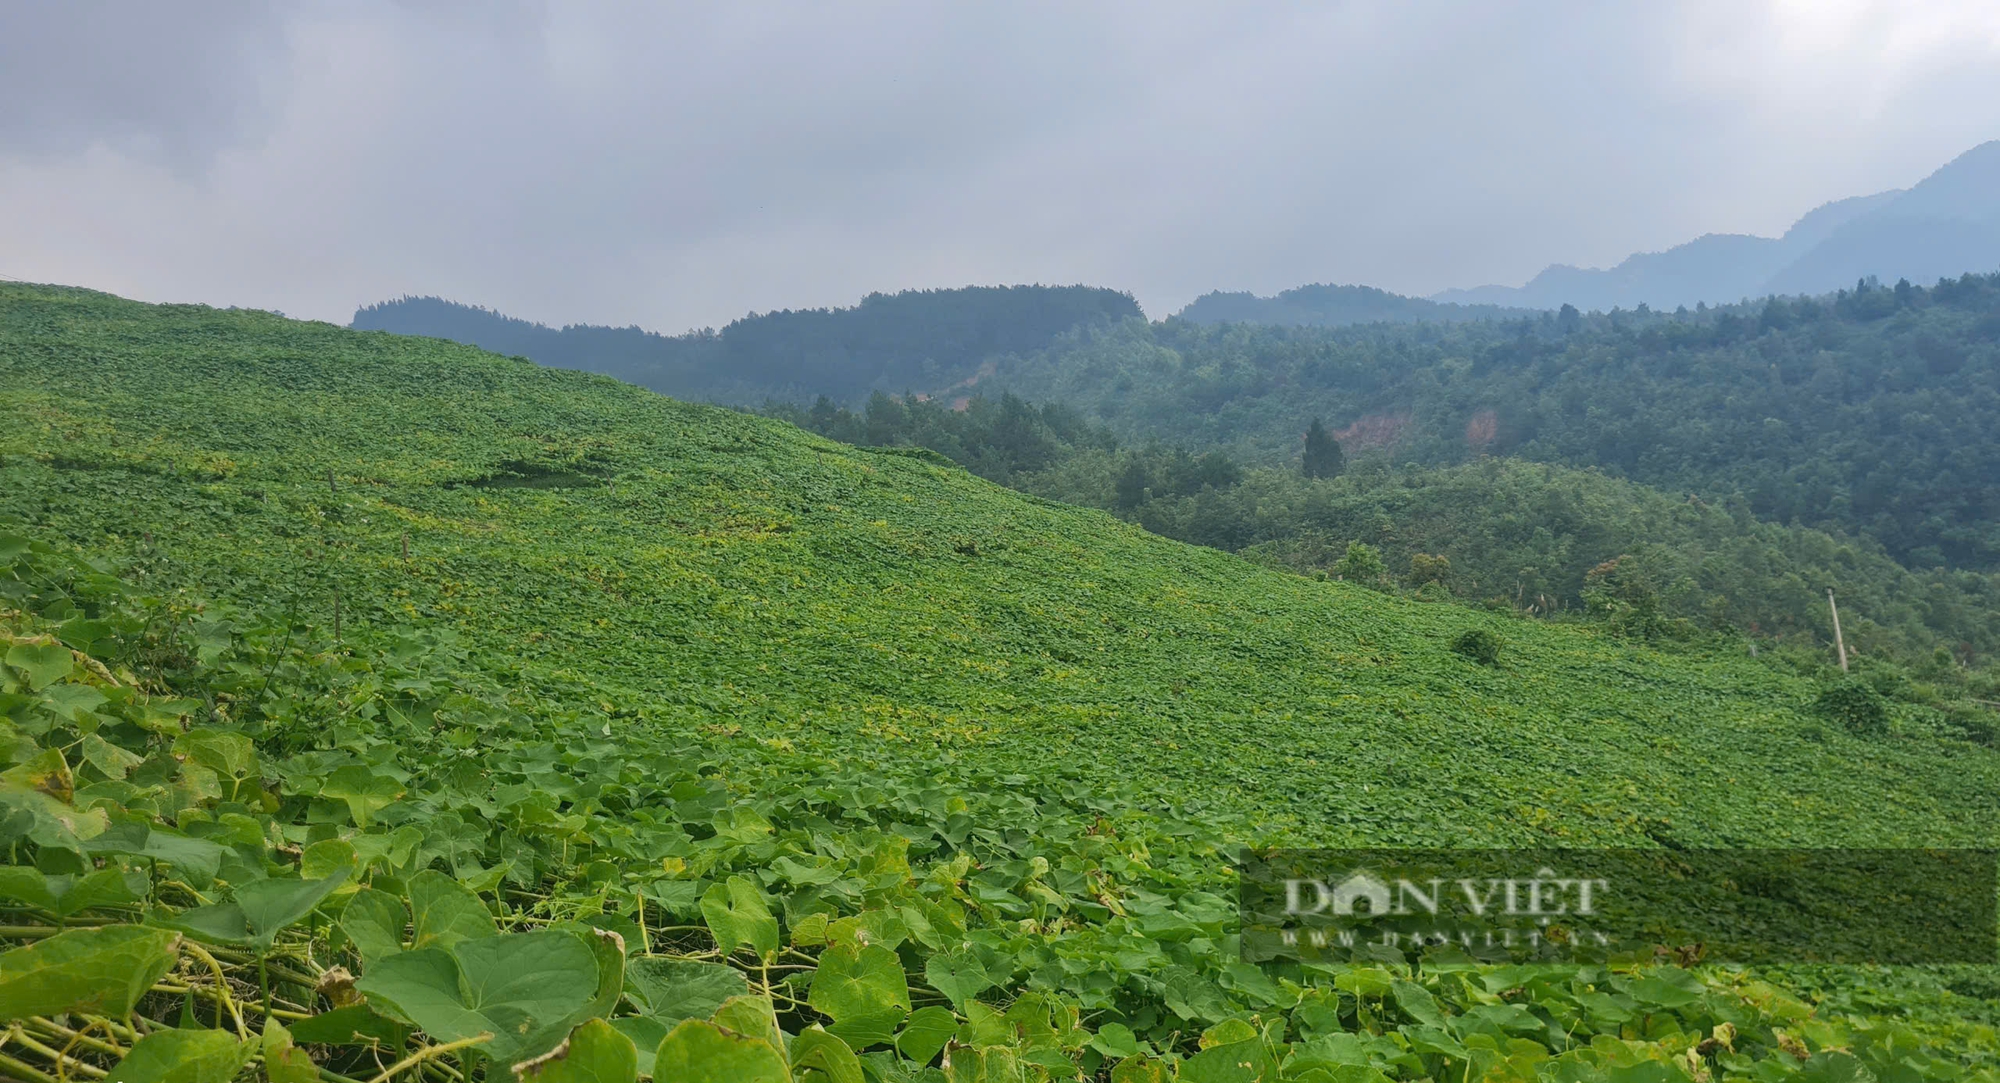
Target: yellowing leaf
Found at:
x=593, y=1053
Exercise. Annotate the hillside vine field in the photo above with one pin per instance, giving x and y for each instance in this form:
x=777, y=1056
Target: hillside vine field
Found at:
x=378, y=707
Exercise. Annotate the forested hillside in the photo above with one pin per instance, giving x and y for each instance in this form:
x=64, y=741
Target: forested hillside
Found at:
x=375, y=705
x=1870, y=411
x=927, y=339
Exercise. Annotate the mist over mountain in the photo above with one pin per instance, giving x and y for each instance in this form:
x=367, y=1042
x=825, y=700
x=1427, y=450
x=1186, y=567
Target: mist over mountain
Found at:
x=1945, y=226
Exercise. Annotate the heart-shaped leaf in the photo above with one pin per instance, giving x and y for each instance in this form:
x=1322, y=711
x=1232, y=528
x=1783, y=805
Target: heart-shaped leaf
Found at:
x=393, y=851
x=1141, y=1069
x=646, y=1033
x=73, y=703
x=959, y=975
x=216, y=923
x=737, y=914
x=365, y=792
x=819, y=1057
x=594, y=1053
x=862, y=988
x=115, y=762
x=752, y=1015
x=701, y=1052
x=284, y=1061
x=445, y=912
x=230, y=755
x=522, y=988
x=42, y=664
x=328, y=857
x=29, y=885
x=273, y=905
x=101, y=971
x=1417, y=1003
x=670, y=990
x=926, y=1032
x=261, y=910
x=183, y=1056
x=1234, y=1062
x=66, y=895
x=47, y=775
x=374, y=921
x=196, y=860
x=608, y=948
x=356, y=1024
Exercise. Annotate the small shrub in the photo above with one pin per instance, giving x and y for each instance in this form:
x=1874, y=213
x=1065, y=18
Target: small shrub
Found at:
x=1362, y=564
x=1855, y=705
x=1427, y=568
x=1479, y=645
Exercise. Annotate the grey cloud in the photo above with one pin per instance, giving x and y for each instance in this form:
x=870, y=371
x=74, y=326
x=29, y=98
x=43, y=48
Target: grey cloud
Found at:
x=178, y=81
x=678, y=165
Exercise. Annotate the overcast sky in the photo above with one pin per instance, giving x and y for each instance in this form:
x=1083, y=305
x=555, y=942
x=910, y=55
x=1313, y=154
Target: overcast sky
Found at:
x=678, y=165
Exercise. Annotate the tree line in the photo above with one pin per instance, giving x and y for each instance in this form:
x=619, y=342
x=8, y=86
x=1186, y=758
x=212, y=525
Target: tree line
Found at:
x=1867, y=412
x=917, y=338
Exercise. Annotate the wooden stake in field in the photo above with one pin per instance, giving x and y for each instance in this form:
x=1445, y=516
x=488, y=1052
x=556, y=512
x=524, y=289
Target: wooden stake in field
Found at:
x=1839, y=644
x=406, y=548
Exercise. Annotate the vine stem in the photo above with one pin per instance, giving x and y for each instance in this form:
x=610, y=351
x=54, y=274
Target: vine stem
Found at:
x=52, y=1029
x=429, y=1051
x=16, y=1068
x=61, y=1062
x=282, y=1014
x=222, y=985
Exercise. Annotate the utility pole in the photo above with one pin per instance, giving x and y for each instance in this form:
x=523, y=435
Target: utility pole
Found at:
x=1839, y=644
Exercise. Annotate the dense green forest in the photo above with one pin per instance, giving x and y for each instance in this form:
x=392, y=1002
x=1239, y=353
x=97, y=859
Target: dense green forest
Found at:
x=373, y=707
x=1868, y=412
x=918, y=338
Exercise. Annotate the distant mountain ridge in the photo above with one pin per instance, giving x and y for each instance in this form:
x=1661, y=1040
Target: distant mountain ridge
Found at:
x=1944, y=227
x=918, y=340
x=1334, y=306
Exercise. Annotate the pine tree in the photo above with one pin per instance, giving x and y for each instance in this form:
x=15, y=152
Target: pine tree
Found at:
x=1323, y=456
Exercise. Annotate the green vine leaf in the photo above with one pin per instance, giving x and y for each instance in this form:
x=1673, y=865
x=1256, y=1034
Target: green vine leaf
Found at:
x=700, y=1052
x=738, y=914
x=184, y=1056
x=100, y=971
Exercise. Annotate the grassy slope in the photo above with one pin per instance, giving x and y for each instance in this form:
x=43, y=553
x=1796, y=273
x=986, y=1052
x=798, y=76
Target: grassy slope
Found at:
x=732, y=571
